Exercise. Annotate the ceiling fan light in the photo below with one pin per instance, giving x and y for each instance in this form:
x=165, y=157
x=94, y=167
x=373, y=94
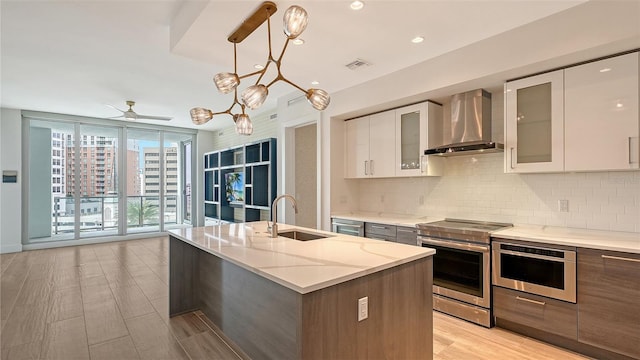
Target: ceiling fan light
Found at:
x=318, y=98
x=200, y=116
x=295, y=21
x=130, y=115
x=243, y=124
x=226, y=82
x=254, y=96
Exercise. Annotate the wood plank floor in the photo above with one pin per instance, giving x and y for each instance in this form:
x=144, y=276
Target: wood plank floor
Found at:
x=109, y=301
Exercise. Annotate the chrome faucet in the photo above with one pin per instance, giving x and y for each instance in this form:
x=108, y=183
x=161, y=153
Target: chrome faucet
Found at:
x=274, y=212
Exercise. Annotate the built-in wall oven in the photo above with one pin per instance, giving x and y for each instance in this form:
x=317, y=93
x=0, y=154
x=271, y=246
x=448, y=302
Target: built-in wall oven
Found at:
x=461, y=267
x=539, y=270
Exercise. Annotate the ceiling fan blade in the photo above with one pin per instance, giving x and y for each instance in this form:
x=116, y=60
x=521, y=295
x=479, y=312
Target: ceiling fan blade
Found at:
x=149, y=117
x=111, y=106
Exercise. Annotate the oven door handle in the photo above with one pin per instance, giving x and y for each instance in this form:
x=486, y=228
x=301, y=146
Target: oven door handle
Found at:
x=454, y=244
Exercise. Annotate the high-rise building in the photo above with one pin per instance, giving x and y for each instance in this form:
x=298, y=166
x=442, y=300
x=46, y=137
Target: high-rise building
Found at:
x=152, y=175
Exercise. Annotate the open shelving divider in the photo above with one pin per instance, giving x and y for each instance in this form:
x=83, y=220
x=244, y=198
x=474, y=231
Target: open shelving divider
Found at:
x=254, y=166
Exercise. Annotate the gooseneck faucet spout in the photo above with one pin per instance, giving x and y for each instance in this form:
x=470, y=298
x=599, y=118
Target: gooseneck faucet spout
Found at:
x=274, y=212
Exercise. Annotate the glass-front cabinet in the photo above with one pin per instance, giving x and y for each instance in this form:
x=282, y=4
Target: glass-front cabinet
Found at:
x=417, y=128
x=535, y=124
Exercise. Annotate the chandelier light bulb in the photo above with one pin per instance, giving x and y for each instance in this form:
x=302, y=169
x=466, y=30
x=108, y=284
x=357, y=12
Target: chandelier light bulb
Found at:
x=243, y=124
x=254, y=96
x=318, y=98
x=226, y=82
x=295, y=21
x=200, y=115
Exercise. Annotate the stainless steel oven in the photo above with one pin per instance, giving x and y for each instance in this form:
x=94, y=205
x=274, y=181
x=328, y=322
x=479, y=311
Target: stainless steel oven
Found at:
x=539, y=270
x=461, y=267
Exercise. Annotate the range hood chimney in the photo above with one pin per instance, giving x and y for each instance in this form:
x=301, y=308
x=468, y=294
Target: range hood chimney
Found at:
x=470, y=126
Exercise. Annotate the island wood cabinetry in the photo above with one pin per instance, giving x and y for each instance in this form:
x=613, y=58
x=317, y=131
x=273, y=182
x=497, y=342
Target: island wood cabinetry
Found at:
x=390, y=143
x=582, y=118
x=609, y=300
x=269, y=297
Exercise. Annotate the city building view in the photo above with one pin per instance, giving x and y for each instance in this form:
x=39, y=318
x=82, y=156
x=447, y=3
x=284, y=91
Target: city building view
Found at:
x=98, y=183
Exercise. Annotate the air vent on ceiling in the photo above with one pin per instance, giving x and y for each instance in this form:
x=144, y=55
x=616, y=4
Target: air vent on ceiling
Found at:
x=295, y=100
x=273, y=116
x=357, y=63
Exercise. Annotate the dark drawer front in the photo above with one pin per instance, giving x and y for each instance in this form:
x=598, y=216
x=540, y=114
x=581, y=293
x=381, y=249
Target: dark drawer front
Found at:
x=380, y=231
x=407, y=235
x=553, y=316
x=608, y=299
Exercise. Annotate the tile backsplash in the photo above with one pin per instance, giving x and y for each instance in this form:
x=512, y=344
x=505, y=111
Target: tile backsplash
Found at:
x=475, y=187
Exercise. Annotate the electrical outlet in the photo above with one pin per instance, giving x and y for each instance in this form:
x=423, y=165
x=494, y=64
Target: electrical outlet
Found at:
x=563, y=205
x=363, y=308
x=421, y=200
x=381, y=198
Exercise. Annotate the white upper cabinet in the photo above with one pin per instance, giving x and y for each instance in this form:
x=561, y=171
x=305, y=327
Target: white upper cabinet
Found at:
x=534, y=124
x=370, y=146
x=602, y=126
x=357, y=147
x=382, y=144
x=392, y=143
x=416, y=130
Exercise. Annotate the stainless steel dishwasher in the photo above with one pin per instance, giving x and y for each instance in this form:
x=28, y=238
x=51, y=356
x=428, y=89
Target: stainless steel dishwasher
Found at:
x=347, y=227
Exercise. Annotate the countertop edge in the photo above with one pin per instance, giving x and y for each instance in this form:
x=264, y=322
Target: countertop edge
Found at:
x=304, y=290
x=533, y=235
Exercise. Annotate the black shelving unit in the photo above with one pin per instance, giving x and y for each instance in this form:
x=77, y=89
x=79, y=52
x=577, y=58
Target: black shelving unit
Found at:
x=256, y=164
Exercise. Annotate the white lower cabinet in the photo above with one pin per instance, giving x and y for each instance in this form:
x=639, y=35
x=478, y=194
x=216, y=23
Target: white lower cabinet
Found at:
x=601, y=115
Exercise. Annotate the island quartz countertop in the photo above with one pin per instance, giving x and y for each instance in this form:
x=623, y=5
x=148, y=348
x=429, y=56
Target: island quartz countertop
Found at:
x=302, y=266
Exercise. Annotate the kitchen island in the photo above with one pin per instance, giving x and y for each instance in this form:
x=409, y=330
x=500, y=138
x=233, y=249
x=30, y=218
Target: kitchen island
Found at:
x=279, y=298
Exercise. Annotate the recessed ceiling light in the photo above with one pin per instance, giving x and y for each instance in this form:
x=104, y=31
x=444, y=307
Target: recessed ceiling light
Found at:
x=356, y=5
x=605, y=69
x=297, y=41
x=417, y=39
x=315, y=83
x=258, y=66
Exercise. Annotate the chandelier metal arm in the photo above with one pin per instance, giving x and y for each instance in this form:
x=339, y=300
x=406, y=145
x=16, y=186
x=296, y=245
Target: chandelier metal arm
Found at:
x=295, y=21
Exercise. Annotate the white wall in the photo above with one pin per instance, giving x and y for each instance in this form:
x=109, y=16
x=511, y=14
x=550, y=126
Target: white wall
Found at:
x=204, y=144
x=11, y=194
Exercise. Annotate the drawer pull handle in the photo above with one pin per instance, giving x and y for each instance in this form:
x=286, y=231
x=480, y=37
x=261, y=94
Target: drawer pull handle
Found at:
x=541, y=303
x=378, y=227
x=620, y=258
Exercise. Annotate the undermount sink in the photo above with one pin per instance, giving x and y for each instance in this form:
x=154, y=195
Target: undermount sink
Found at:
x=301, y=235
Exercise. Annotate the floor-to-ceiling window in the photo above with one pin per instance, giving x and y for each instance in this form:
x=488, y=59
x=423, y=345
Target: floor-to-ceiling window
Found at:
x=143, y=186
x=95, y=178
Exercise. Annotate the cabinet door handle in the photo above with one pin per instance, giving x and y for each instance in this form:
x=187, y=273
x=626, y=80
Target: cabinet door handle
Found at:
x=372, y=171
x=511, y=158
x=633, y=150
x=365, y=167
x=541, y=303
x=620, y=258
x=378, y=227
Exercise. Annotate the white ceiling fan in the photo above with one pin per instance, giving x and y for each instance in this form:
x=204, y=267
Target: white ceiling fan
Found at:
x=132, y=115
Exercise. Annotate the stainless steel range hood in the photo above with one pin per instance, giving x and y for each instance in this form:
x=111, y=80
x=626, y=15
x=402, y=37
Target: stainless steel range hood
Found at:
x=470, y=126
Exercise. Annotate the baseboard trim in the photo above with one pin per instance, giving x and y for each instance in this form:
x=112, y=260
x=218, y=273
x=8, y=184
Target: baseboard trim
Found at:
x=5, y=249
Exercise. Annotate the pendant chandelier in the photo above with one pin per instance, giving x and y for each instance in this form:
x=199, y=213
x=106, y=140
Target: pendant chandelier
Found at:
x=294, y=22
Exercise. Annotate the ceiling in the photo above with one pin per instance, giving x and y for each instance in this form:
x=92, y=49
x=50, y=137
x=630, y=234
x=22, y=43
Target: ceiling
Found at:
x=76, y=57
